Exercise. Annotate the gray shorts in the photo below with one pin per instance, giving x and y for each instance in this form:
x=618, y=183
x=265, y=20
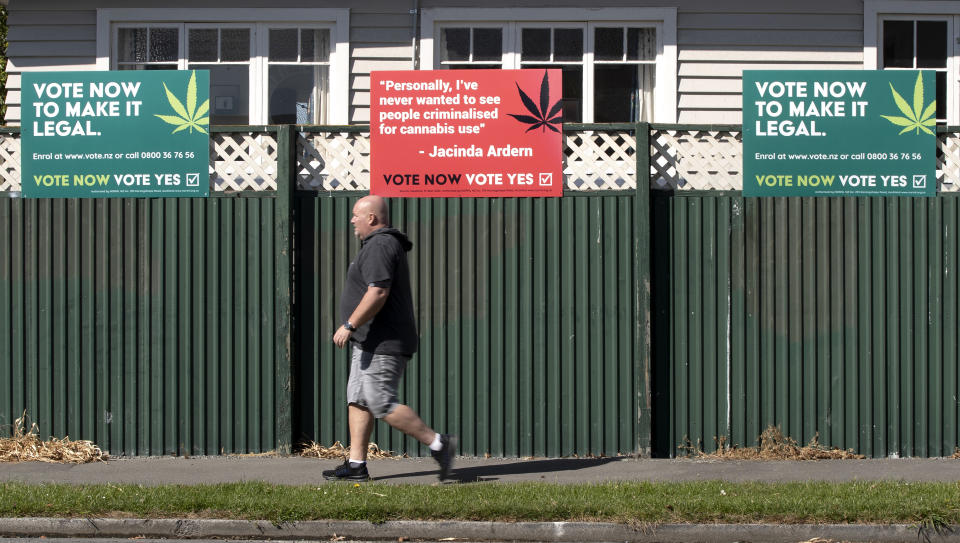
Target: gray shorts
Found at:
x=374, y=379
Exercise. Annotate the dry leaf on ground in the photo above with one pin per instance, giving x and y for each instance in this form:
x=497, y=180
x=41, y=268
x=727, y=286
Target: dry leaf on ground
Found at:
x=26, y=446
x=774, y=446
x=337, y=450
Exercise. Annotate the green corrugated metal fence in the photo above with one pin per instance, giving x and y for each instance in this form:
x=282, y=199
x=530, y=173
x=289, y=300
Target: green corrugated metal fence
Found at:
x=834, y=317
x=150, y=326
x=527, y=313
x=164, y=326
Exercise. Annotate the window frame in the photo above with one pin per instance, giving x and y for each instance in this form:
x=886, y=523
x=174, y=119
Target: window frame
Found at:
x=875, y=12
x=259, y=20
x=264, y=45
x=504, y=58
x=511, y=20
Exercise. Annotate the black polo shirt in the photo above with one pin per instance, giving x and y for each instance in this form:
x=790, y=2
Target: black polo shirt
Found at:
x=382, y=262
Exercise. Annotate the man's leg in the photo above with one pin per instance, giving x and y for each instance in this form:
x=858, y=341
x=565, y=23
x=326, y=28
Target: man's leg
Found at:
x=361, y=426
x=407, y=421
x=360, y=420
x=442, y=447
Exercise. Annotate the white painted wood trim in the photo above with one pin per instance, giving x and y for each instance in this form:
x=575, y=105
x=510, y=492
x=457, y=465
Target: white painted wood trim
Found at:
x=665, y=93
x=338, y=111
x=339, y=74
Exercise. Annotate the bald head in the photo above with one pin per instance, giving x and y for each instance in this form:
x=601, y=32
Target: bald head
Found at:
x=370, y=213
x=376, y=205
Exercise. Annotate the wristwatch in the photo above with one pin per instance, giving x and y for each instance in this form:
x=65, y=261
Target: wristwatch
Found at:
x=349, y=326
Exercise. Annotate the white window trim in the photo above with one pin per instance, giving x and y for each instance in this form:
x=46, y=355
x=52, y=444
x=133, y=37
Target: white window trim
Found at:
x=338, y=105
x=876, y=11
x=665, y=92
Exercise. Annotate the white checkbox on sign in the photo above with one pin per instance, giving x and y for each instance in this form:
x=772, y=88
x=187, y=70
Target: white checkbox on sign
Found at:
x=546, y=179
x=919, y=181
x=193, y=180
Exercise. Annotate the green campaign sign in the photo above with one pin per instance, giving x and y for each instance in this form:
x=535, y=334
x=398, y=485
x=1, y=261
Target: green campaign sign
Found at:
x=115, y=134
x=839, y=133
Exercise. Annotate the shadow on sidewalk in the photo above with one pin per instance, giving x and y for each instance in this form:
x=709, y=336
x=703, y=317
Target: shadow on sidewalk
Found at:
x=479, y=474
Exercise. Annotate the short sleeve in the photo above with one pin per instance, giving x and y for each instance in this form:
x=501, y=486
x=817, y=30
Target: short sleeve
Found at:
x=379, y=262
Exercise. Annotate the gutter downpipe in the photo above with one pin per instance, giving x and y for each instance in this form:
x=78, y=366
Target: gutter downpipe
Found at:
x=415, y=27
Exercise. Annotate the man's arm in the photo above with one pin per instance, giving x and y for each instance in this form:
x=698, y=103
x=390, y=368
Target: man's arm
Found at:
x=371, y=304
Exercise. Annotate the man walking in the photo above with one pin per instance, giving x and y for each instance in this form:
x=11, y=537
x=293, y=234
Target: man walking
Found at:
x=376, y=306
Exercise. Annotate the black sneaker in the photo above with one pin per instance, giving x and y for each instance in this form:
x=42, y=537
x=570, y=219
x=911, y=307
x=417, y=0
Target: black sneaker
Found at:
x=444, y=456
x=346, y=472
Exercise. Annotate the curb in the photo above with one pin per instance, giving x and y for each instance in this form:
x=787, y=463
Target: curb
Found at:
x=490, y=531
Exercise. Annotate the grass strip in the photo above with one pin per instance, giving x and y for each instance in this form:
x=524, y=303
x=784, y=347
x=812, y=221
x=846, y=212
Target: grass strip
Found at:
x=633, y=502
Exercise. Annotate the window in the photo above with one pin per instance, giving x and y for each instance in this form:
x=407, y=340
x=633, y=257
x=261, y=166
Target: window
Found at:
x=615, y=68
x=561, y=48
x=297, y=75
x=466, y=48
x=917, y=35
x=260, y=72
x=148, y=48
x=918, y=44
x=226, y=52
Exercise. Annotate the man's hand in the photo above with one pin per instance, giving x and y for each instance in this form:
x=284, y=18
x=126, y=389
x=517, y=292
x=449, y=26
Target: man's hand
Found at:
x=341, y=337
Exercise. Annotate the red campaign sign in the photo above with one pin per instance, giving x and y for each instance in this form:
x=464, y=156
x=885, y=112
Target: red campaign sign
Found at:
x=466, y=133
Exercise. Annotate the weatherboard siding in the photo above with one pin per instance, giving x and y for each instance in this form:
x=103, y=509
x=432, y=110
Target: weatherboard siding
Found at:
x=716, y=42
x=50, y=40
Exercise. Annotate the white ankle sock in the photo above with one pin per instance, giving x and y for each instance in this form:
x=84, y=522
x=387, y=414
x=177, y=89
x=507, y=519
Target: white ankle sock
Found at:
x=436, y=445
x=357, y=463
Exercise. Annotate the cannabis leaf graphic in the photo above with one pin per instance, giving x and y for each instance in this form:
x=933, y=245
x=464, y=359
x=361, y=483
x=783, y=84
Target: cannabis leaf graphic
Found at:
x=542, y=118
x=915, y=119
x=190, y=116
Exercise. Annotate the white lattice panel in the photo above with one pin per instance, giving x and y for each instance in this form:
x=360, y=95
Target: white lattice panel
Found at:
x=9, y=163
x=948, y=162
x=594, y=160
x=696, y=160
x=333, y=161
x=243, y=161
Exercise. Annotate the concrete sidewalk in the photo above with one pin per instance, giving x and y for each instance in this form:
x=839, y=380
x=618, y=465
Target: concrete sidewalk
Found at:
x=299, y=471
x=296, y=471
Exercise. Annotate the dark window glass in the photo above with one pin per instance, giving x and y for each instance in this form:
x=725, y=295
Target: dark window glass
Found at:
x=536, y=44
x=229, y=92
x=283, y=45
x=294, y=94
x=235, y=44
x=942, y=95
x=609, y=44
x=478, y=66
x=572, y=94
x=203, y=45
x=456, y=44
x=615, y=94
x=487, y=44
x=931, y=44
x=641, y=44
x=568, y=44
x=163, y=44
x=572, y=90
x=898, y=44
x=314, y=45
x=132, y=45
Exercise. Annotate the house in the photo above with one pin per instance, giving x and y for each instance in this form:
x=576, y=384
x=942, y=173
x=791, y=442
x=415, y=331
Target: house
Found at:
x=308, y=62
